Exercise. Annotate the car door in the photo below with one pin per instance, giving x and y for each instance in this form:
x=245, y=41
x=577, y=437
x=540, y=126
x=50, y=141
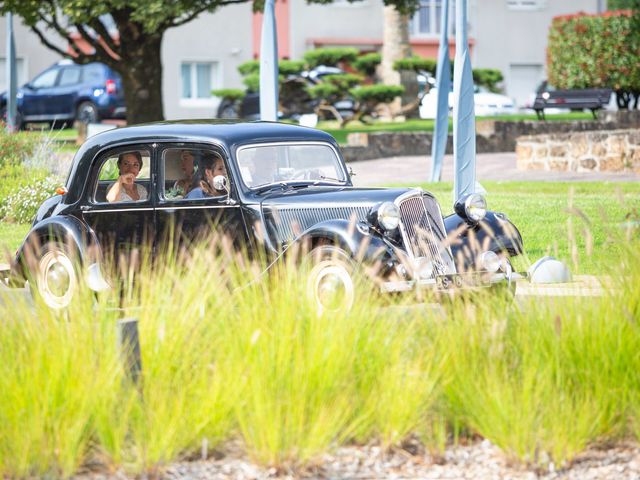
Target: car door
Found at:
x=185, y=221
x=36, y=94
x=123, y=225
x=63, y=97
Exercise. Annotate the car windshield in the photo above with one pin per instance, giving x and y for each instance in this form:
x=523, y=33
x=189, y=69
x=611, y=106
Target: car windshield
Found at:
x=276, y=164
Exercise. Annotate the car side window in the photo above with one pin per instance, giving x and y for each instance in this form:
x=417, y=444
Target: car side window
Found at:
x=123, y=177
x=69, y=76
x=188, y=173
x=46, y=79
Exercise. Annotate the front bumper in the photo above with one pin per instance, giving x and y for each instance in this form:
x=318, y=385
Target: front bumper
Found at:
x=454, y=282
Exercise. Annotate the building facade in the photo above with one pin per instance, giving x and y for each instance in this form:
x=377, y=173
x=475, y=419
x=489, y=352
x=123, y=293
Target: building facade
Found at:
x=203, y=55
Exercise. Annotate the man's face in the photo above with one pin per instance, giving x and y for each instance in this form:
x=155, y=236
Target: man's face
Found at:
x=129, y=164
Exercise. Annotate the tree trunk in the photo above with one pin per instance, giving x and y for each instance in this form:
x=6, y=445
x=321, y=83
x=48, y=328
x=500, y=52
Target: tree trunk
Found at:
x=141, y=72
x=395, y=45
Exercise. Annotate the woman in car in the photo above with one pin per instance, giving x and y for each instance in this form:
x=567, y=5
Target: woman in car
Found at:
x=125, y=189
x=187, y=161
x=209, y=166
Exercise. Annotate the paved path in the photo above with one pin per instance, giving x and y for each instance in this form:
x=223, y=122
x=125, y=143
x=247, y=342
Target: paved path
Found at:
x=490, y=166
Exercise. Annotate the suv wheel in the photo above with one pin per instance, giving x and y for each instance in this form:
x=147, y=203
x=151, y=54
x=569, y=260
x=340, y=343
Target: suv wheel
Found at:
x=87, y=112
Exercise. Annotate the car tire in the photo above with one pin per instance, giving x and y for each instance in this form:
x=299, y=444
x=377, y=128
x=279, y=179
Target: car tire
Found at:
x=330, y=285
x=87, y=112
x=56, y=280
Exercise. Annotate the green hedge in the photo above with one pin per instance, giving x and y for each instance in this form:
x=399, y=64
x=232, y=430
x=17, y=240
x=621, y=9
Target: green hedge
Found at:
x=367, y=64
x=595, y=51
x=416, y=64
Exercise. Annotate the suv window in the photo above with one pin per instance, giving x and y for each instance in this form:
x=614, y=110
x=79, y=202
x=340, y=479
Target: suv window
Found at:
x=46, y=79
x=92, y=73
x=69, y=76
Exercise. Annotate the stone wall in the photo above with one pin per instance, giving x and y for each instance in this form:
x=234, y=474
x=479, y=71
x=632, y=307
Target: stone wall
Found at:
x=604, y=151
x=491, y=136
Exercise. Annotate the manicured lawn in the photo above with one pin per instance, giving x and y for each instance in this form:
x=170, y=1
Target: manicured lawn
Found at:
x=541, y=212
x=418, y=125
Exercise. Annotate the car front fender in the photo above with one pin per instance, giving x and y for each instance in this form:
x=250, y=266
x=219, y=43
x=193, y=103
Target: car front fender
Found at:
x=359, y=241
x=78, y=237
x=495, y=232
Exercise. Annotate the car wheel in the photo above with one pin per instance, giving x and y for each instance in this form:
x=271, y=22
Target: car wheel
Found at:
x=87, y=112
x=56, y=279
x=330, y=282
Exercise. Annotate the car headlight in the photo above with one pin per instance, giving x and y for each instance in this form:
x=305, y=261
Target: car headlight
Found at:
x=472, y=206
x=385, y=215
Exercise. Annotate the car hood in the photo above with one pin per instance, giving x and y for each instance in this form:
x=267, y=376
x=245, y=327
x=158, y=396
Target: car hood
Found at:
x=292, y=212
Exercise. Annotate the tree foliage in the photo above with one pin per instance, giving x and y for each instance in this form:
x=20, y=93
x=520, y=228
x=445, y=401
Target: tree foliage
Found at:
x=330, y=57
x=596, y=51
x=488, y=77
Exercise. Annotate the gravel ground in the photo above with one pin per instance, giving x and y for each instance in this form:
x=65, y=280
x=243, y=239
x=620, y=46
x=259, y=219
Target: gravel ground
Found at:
x=478, y=461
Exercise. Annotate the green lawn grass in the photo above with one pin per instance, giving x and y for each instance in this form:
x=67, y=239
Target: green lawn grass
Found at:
x=419, y=125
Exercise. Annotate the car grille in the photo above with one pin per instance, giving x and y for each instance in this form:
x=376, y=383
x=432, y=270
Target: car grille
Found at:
x=424, y=234
x=291, y=222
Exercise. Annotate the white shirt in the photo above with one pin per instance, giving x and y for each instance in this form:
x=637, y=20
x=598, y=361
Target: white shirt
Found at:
x=124, y=196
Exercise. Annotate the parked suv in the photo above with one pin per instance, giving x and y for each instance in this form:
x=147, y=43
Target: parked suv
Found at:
x=67, y=92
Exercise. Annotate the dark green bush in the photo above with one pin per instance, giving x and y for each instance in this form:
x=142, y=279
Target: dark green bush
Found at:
x=252, y=82
x=232, y=94
x=367, y=64
x=324, y=90
x=290, y=67
x=250, y=67
x=330, y=56
x=376, y=93
x=488, y=77
x=416, y=64
x=344, y=81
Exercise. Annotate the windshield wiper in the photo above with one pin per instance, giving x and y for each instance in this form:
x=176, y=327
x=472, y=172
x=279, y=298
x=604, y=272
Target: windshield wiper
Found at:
x=283, y=186
x=324, y=177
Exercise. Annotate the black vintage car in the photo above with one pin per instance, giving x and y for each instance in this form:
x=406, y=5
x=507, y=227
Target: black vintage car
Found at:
x=281, y=185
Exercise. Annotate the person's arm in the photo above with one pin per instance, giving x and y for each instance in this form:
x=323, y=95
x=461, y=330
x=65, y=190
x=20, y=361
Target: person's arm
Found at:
x=113, y=195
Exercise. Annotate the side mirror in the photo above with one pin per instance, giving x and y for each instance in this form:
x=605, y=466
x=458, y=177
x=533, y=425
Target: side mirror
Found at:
x=220, y=183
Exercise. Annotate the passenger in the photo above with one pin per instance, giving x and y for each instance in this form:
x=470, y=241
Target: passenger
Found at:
x=125, y=189
x=209, y=167
x=187, y=166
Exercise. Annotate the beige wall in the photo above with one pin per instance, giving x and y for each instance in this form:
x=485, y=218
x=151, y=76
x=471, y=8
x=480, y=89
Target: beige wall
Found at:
x=223, y=37
x=34, y=56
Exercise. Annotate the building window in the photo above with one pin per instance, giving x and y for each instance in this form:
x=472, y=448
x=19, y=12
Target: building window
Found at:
x=426, y=21
x=198, y=79
x=526, y=4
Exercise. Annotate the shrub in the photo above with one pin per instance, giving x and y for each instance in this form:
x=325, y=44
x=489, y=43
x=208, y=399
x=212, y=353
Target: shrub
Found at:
x=21, y=206
x=330, y=56
x=15, y=147
x=488, y=77
x=377, y=93
x=595, y=51
x=416, y=64
x=368, y=63
x=231, y=94
x=324, y=90
x=247, y=68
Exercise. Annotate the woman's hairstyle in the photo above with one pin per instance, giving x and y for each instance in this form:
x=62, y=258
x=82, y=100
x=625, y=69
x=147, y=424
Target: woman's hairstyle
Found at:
x=135, y=153
x=205, y=162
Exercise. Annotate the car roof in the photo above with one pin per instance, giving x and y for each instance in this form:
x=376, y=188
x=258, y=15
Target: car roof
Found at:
x=227, y=132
